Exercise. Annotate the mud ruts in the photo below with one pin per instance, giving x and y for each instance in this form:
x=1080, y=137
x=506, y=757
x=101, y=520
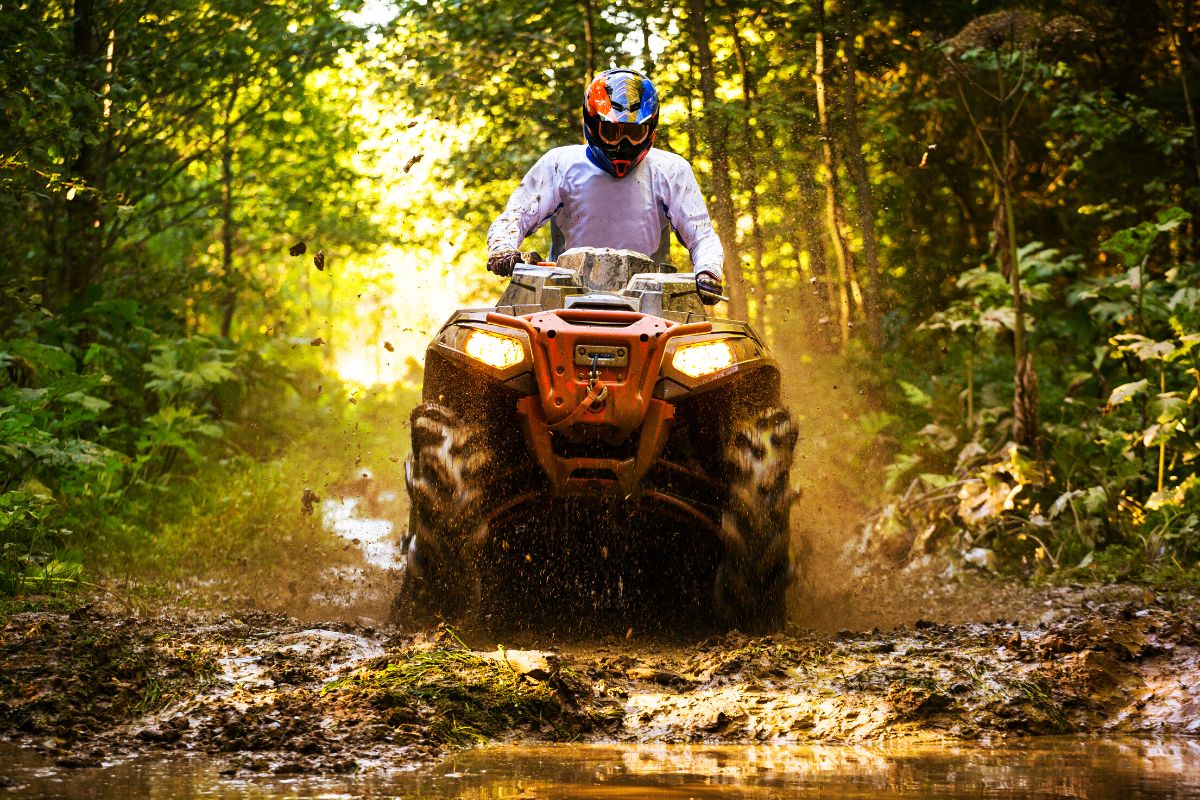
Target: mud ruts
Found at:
x=269, y=694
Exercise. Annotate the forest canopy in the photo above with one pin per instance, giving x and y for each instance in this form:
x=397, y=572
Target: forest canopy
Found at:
x=229, y=227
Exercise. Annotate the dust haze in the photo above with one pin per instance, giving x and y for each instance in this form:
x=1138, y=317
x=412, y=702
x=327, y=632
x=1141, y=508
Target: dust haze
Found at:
x=839, y=469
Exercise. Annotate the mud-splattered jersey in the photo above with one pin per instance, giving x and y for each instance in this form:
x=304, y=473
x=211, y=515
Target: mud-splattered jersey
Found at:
x=594, y=209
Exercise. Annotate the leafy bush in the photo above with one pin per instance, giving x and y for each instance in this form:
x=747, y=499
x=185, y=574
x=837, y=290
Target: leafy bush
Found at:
x=92, y=415
x=1119, y=379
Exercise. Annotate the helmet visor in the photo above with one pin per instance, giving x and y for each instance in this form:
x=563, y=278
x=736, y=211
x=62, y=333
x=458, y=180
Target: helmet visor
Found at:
x=613, y=132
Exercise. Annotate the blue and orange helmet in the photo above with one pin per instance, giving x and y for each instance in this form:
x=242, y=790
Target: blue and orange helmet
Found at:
x=620, y=112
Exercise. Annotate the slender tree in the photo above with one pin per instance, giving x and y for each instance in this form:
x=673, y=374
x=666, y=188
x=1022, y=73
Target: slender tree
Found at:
x=227, y=223
x=80, y=250
x=717, y=133
x=1006, y=37
x=996, y=56
x=750, y=158
x=589, y=40
x=1179, y=32
x=834, y=212
x=857, y=166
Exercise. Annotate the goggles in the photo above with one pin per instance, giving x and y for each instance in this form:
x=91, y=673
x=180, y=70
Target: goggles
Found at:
x=613, y=132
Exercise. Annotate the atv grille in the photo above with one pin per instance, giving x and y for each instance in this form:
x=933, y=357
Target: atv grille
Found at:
x=593, y=474
x=602, y=323
x=594, y=447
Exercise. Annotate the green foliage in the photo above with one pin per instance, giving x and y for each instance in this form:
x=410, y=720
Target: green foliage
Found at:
x=132, y=136
x=27, y=544
x=1116, y=467
x=85, y=432
x=158, y=159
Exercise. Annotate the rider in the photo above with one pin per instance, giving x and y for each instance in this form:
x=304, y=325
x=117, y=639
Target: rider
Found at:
x=599, y=197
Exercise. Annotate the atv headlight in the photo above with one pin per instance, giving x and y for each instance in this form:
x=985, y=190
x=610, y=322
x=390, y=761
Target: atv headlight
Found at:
x=703, y=358
x=494, y=349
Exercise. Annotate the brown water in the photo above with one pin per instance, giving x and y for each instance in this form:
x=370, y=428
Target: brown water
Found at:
x=1028, y=768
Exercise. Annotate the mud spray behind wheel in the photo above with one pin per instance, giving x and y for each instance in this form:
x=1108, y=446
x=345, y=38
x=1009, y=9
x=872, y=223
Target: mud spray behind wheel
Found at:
x=596, y=445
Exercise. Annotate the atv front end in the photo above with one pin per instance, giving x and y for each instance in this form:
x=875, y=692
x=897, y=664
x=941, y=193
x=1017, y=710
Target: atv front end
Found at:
x=591, y=416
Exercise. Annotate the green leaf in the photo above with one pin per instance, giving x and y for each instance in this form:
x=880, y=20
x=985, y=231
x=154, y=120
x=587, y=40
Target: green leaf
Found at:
x=1142, y=347
x=1157, y=434
x=915, y=395
x=87, y=402
x=1170, y=407
x=1185, y=299
x=1171, y=218
x=53, y=572
x=1126, y=391
x=1000, y=319
x=1131, y=245
x=936, y=480
x=1187, y=343
x=1174, y=496
x=900, y=467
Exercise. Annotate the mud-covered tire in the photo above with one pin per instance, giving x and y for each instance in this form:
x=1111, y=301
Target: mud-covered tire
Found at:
x=752, y=579
x=445, y=474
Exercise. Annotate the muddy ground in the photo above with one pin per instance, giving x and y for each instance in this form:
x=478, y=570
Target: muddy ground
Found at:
x=264, y=692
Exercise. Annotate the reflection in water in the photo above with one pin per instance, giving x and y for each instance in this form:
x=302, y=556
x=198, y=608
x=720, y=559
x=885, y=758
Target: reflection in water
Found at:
x=1028, y=768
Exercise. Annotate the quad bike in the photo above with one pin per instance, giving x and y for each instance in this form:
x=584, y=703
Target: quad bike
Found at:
x=596, y=441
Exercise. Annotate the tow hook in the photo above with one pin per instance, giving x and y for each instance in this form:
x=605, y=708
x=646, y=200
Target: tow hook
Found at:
x=593, y=379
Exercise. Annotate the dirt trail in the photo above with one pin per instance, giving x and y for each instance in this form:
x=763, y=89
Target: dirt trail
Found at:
x=267, y=693
x=326, y=688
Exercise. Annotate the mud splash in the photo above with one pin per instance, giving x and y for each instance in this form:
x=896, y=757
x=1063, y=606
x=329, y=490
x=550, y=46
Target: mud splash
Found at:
x=365, y=515
x=373, y=536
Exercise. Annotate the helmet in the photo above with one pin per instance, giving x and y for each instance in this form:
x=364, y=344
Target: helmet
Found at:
x=620, y=112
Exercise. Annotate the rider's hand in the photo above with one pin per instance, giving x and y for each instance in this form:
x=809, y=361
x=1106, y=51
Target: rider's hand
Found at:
x=502, y=262
x=709, y=287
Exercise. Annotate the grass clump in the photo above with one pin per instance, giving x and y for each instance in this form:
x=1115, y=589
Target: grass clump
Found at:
x=1037, y=694
x=460, y=697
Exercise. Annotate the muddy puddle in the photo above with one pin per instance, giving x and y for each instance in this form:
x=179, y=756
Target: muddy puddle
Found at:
x=1046, y=767
x=106, y=701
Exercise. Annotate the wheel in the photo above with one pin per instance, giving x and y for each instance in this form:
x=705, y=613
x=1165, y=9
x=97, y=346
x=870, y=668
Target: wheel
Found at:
x=445, y=476
x=757, y=566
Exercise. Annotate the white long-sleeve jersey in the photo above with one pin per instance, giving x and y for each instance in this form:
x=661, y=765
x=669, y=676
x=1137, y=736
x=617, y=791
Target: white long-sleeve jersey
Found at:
x=594, y=209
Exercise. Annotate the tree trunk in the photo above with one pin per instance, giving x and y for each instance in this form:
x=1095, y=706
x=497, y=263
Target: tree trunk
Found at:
x=718, y=142
x=227, y=224
x=1025, y=428
x=227, y=235
x=812, y=285
x=1177, y=38
x=691, y=103
x=862, y=185
x=1002, y=167
x=589, y=43
x=751, y=161
x=823, y=281
x=647, y=56
x=80, y=249
x=1009, y=245
x=816, y=287
x=834, y=214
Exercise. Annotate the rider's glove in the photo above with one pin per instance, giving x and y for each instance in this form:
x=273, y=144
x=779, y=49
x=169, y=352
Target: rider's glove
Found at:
x=709, y=287
x=502, y=262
